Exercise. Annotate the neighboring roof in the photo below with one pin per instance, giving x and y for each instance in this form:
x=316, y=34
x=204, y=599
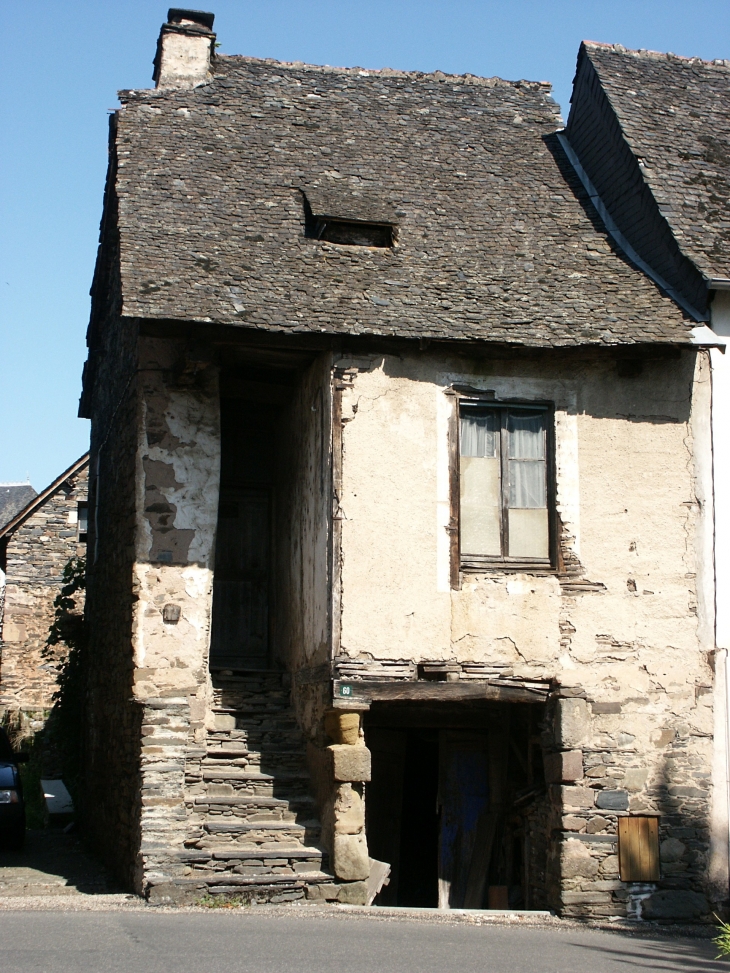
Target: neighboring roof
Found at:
x=675, y=115
x=495, y=238
x=30, y=508
x=13, y=497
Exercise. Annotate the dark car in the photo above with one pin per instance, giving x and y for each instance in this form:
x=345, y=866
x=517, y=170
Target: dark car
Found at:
x=12, y=805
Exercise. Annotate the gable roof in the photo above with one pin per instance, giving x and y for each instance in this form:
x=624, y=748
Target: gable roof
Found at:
x=13, y=497
x=496, y=240
x=38, y=500
x=674, y=113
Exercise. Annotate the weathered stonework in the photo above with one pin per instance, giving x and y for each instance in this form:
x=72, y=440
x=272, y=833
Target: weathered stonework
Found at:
x=37, y=544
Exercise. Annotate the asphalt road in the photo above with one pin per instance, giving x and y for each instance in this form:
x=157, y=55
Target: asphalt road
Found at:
x=228, y=942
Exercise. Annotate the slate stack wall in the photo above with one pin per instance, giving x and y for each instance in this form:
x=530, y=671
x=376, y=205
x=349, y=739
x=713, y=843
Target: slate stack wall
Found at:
x=112, y=789
x=36, y=554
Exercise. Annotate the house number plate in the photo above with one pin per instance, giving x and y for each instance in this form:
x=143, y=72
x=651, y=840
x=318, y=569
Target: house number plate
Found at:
x=345, y=690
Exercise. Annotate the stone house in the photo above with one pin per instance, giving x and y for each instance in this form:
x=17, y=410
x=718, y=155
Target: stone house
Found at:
x=35, y=546
x=401, y=546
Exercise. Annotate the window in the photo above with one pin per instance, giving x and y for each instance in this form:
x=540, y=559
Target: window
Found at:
x=353, y=221
x=354, y=233
x=83, y=521
x=503, y=485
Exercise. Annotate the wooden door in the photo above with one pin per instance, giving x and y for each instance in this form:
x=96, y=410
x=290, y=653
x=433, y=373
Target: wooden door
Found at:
x=463, y=803
x=240, y=626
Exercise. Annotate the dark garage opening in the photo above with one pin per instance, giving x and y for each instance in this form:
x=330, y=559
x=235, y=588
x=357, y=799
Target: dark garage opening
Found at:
x=457, y=804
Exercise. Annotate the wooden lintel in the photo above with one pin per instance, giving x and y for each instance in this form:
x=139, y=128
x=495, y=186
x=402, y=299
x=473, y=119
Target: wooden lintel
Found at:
x=359, y=694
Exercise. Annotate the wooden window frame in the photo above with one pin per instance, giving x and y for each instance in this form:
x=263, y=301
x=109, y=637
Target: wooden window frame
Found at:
x=82, y=536
x=475, y=564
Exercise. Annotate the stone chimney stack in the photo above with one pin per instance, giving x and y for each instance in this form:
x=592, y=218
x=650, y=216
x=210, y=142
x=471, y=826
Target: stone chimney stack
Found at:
x=185, y=49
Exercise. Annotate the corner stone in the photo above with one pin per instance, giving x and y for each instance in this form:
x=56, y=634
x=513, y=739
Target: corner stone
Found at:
x=350, y=764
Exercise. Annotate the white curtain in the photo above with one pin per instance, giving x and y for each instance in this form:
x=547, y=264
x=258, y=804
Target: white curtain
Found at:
x=526, y=455
x=479, y=433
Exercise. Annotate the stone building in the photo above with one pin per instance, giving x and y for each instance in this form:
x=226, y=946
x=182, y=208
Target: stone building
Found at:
x=35, y=546
x=401, y=546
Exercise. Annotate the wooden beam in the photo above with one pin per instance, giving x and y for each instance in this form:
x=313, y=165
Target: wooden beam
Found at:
x=359, y=694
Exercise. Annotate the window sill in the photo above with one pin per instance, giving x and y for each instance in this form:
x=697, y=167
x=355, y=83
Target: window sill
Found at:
x=479, y=566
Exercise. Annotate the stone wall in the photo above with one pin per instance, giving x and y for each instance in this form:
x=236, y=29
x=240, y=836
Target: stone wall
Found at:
x=111, y=789
x=36, y=553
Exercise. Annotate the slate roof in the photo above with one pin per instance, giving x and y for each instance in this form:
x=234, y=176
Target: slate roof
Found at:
x=495, y=238
x=13, y=497
x=675, y=115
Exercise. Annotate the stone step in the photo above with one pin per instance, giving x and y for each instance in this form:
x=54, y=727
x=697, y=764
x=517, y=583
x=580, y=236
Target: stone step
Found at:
x=216, y=826
x=231, y=850
x=291, y=766
x=236, y=774
x=231, y=750
x=262, y=733
x=248, y=801
x=271, y=888
x=250, y=708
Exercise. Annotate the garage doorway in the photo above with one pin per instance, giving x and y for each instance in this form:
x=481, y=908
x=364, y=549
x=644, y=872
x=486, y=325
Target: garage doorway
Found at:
x=457, y=804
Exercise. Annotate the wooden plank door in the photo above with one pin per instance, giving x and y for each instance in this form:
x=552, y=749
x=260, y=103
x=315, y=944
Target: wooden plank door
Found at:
x=240, y=625
x=463, y=802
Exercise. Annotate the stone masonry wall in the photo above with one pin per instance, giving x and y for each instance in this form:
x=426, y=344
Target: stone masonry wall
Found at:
x=111, y=798
x=37, y=552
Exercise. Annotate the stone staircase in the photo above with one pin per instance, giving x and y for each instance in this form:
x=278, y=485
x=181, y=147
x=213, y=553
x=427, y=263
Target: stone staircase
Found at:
x=253, y=828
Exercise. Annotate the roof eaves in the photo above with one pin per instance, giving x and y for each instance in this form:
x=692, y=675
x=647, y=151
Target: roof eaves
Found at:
x=618, y=236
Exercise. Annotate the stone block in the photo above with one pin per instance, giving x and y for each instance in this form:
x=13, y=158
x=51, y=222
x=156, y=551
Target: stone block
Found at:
x=609, y=865
x=326, y=892
x=634, y=778
x=571, y=822
x=353, y=893
x=597, y=824
x=349, y=810
x=564, y=766
x=613, y=800
x=342, y=727
x=572, y=723
x=350, y=763
x=351, y=861
x=577, y=797
x=674, y=904
x=587, y=898
x=168, y=893
x=576, y=861
x=224, y=721
x=672, y=849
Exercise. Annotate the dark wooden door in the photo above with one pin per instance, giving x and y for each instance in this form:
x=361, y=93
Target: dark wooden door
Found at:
x=240, y=627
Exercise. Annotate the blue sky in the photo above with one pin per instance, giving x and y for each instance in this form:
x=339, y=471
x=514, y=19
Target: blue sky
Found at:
x=63, y=61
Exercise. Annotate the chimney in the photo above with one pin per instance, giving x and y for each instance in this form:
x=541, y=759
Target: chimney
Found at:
x=184, y=50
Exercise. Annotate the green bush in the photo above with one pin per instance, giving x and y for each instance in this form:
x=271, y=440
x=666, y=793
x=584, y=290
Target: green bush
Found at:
x=65, y=648
x=723, y=940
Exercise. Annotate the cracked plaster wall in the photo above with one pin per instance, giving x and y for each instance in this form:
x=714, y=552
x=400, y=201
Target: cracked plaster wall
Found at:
x=626, y=495
x=178, y=463
x=633, y=481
